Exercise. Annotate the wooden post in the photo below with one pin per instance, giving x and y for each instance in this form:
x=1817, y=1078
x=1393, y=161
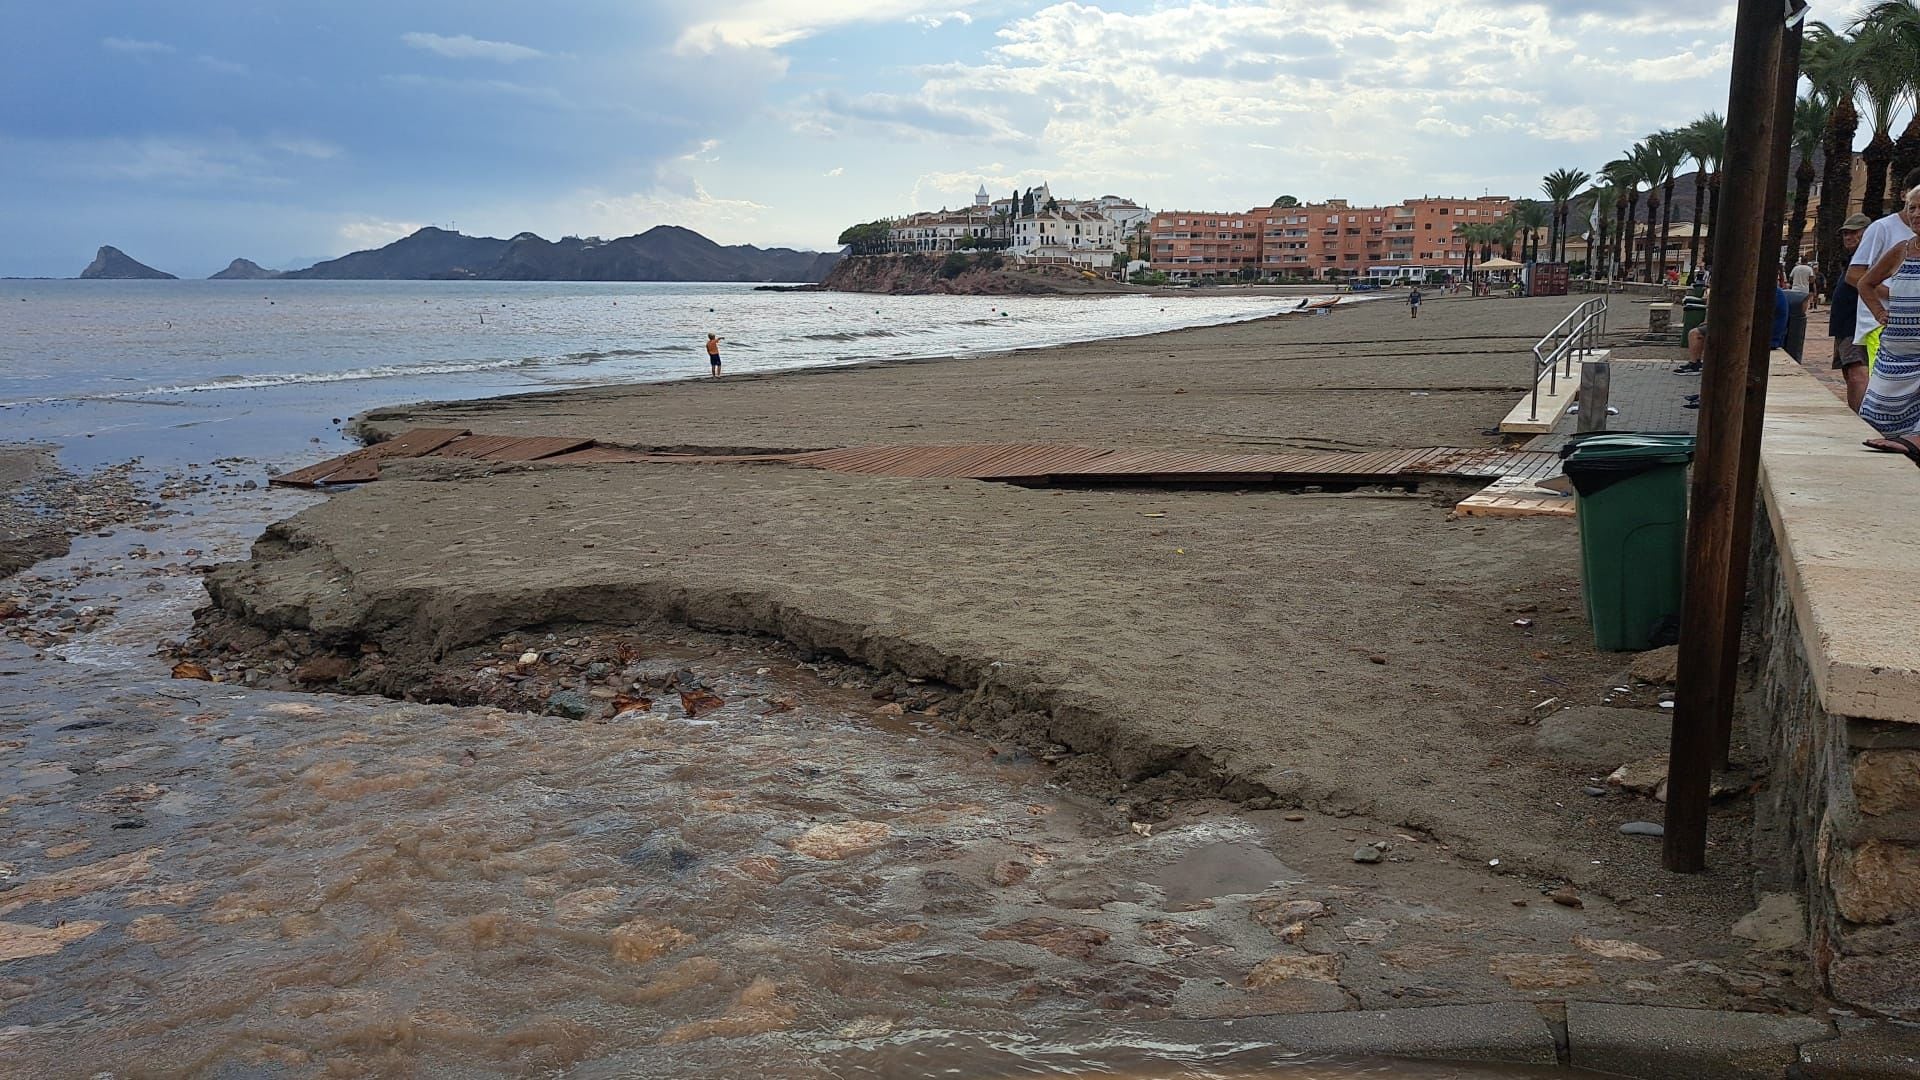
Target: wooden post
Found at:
x=1747, y=482
x=1596, y=378
x=1709, y=626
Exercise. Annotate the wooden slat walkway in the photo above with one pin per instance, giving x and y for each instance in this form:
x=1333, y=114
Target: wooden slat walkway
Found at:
x=1034, y=463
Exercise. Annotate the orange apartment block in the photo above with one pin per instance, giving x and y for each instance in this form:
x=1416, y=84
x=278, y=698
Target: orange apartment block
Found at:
x=1317, y=240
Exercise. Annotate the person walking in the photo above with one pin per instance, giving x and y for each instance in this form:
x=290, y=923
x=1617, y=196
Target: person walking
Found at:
x=1891, y=292
x=1879, y=237
x=1849, y=356
x=1801, y=279
x=1413, y=301
x=713, y=354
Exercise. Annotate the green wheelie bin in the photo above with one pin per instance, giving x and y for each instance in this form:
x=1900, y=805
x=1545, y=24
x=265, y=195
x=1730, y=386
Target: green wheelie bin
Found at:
x=1631, y=496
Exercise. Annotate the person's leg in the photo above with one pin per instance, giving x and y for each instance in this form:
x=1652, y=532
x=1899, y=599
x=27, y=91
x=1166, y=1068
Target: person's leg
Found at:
x=1851, y=361
x=1856, y=376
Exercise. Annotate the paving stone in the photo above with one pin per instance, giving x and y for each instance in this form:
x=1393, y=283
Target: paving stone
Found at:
x=1656, y=1042
x=1870, y=1050
x=1508, y=1032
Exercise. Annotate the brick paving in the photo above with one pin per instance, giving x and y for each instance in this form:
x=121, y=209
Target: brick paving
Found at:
x=1648, y=394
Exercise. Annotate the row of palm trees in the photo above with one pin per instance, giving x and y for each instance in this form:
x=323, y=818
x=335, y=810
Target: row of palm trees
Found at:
x=1875, y=63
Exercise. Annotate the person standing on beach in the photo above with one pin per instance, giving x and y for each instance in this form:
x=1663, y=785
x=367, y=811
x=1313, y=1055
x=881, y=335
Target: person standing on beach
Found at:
x=713, y=353
x=1413, y=301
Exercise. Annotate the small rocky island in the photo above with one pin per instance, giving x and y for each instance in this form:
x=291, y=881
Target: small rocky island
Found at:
x=112, y=264
x=244, y=270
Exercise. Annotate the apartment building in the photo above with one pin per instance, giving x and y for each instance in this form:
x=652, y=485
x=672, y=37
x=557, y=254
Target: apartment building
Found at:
x=1204, y=243
x=1333, y=239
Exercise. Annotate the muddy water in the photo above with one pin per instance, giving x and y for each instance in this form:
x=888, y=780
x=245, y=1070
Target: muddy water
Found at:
x=205, y=880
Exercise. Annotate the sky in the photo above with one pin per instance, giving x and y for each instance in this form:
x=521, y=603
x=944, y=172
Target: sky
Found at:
x=189, y=134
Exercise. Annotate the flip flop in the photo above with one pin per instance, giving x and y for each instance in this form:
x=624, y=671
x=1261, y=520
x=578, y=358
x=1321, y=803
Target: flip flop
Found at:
x=1909, y=447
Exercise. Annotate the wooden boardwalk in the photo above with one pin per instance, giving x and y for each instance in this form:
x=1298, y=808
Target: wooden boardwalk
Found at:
x=1511, y=471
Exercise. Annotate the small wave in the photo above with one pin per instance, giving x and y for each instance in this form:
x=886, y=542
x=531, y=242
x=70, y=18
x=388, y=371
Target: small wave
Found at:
x=849, y=335
x=298, y=378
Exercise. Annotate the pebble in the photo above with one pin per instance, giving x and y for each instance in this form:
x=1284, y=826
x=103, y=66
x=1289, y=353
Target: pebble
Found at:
x=1367, y=854
x=1566, y=897
x=1596, y=792
x=1643, y=828
x=1296, y=817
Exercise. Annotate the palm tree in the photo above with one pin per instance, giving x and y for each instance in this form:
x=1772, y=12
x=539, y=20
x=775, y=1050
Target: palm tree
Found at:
x=1646, y=164
x=1469, y=237
x=1530, y=216
x=1809, y=123
x=1561, y=185
x=1901, y=18
x=1884, y=78
x=1705, y=141
x=1830, y=63
x=1668, y=153
x=1624, y=175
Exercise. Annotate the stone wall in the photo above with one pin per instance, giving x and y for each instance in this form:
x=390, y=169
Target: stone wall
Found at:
x=1839, y=818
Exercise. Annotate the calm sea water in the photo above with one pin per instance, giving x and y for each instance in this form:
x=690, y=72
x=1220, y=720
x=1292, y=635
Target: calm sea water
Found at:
x=189, y=371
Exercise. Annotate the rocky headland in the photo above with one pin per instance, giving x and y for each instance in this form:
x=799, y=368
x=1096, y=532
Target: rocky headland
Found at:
x=961, y=274
x=244, y=270
x=112, y=264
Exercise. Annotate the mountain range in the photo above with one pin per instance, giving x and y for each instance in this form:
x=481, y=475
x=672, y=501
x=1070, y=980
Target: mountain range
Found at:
x=662, y=253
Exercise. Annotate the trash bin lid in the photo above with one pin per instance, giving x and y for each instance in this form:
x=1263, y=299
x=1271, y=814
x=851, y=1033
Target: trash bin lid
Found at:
x=1627, y=451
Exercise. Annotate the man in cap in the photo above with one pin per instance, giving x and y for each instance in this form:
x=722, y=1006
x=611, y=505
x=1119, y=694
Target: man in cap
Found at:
x=1849, y=356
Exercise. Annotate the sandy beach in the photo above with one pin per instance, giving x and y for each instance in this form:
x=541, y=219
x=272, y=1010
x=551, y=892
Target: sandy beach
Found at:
x=1356, y=653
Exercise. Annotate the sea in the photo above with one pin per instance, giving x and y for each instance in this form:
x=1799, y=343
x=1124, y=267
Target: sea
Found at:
x=186, y=372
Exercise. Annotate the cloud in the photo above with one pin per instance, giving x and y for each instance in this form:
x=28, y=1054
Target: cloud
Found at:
x=465, y=47
x=837, y=170
x=673, y=200
x=135, y=46
x=1681, y=66
x=900, y=116
x=539, y=95
x=935, y=22
x=770, y=24
x=366, y=233
x=703, y=152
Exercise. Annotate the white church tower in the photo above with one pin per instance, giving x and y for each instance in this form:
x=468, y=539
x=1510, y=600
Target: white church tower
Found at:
x=981, y=199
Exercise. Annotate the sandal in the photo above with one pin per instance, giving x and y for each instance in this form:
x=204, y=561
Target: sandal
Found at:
x=1905, y=444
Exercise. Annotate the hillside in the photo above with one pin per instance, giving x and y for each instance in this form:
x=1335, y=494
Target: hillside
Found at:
x=663, y=253
x=112, y=264
x=959, y=274
x=244, y=270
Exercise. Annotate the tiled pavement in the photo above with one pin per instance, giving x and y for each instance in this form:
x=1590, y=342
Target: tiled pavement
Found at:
x=1648, y=395
x=1651, y=397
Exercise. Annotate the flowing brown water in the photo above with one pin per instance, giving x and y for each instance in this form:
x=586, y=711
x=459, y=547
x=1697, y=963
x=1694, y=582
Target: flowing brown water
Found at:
x=204, y=880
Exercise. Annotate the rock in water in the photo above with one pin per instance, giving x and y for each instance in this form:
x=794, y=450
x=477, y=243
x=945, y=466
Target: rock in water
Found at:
x=244, y=270
x=112, y=264
x=568, y=704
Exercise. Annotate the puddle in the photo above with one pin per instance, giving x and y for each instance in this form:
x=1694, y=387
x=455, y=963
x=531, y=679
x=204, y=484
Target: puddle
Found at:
x=1224, y=869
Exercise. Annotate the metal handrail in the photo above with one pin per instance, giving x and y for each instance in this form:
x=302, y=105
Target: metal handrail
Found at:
x=1576, y=335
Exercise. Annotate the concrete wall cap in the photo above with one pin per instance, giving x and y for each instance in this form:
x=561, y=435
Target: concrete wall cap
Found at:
x=1843, y=520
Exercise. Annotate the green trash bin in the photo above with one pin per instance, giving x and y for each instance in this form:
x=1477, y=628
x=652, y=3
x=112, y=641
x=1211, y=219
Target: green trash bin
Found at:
x=1631, y=497
x=1693, y=312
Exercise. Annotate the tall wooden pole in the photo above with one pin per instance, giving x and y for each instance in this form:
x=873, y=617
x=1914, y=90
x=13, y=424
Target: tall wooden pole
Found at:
x=1755, y=406
x=1715, y=586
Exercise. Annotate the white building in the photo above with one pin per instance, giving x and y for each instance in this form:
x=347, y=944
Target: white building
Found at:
x=1086, y=232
